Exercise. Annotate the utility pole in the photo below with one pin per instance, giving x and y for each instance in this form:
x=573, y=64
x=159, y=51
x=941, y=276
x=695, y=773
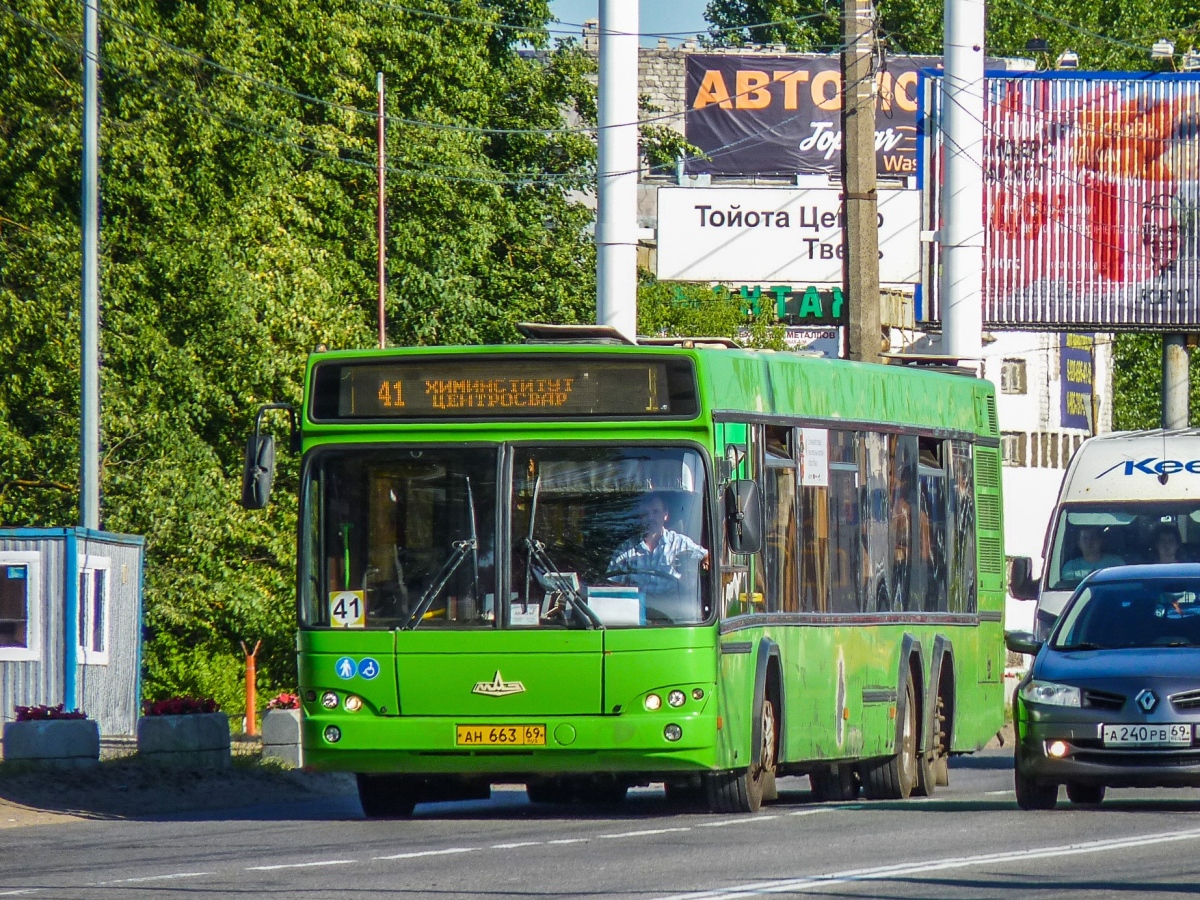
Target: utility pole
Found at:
x=89, y=337
x=860, y=241
x=617, y=168
x=1174, y=381
x=382, y=213
x=962, y=182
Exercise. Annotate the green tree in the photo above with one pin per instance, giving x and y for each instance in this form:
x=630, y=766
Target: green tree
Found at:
x=238, y=233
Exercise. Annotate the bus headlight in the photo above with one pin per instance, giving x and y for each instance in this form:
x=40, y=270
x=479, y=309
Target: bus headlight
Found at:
x=333, y=734
x=653, y=702
x=672, y=733
x=697, y=693
x=676, y=698
x=353, y=703
x=329, y=700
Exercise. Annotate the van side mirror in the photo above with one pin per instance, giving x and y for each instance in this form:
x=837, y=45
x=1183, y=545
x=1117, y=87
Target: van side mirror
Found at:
x=259, y=471
x=743, y=516
x=1022, y=642
x=1021, y=583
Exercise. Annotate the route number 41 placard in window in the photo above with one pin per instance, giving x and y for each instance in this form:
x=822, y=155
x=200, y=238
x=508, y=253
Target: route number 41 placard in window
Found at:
x=347, y=609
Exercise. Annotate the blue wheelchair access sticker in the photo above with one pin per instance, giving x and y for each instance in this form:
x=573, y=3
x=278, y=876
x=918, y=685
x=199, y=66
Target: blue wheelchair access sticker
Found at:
x=368, y=668
x=345, y=667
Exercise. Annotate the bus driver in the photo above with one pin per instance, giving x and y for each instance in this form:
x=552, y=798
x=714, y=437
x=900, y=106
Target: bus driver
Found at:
x=655, y=561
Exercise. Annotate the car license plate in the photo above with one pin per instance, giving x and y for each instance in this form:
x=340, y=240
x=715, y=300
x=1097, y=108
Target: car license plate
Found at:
x=1147, y=735
x=500, y=735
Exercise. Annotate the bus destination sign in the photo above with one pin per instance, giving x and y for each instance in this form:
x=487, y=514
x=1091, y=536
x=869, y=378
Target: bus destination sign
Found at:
x=503, y=387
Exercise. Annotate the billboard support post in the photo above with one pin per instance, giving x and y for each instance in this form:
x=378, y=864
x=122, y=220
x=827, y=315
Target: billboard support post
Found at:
x=962, y=193
x=1174, y=381
x=860, y=201
x=617, y=175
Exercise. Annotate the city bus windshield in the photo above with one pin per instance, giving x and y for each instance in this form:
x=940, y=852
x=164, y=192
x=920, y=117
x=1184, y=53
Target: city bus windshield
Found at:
x=1097, y=535
x=622, y=529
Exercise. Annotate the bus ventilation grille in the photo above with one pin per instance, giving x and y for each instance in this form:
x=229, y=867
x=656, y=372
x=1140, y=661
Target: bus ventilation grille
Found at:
x=989, y=512
x=993, y=426
x=990, y=558
x=987, y=469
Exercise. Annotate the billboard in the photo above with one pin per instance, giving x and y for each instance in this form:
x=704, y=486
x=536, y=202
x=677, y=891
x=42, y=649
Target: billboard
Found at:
x=1076, y=365
x=777, y=235
x=1092, y=201
x=781, y=115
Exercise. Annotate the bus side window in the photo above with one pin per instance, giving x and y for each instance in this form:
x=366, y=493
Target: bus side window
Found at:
x=845, y=527
x=960, y=497
x=878, y=555
x=929, y=573
x=782, y=529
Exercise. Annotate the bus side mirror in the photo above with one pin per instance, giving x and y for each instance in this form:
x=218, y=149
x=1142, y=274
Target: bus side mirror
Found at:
x=259, y=471
x=1021, y=583
x=743, y=517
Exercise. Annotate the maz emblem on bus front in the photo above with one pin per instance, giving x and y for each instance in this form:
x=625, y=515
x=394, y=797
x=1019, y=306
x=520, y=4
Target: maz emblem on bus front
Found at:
x=498, y=687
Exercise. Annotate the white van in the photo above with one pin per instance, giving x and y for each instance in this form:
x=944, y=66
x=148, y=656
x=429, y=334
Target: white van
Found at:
x=1128, y=497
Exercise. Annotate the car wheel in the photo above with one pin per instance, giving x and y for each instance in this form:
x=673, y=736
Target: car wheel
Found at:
x=1085, y=794
x=1034, y=794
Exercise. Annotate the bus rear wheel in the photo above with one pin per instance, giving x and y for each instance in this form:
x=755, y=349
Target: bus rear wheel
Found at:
x=743, y=790
x=386, y=796
x=895, y=777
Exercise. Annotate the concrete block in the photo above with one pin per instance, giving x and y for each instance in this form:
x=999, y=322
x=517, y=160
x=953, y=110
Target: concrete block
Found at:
x=192, y=741
x=281, y=736
x=57, y=743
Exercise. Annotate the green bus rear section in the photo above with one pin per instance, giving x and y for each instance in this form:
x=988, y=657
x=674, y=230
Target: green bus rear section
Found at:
x=839, y=682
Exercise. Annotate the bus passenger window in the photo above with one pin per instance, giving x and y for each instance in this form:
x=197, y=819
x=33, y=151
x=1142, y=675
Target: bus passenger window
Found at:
x=875, y=515
x=845, y=524
x=960, y=497
x=929, y=572
x=902, y=524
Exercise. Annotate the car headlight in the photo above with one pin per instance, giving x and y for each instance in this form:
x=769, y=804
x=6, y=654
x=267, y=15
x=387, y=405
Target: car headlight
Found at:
x=1049, y=693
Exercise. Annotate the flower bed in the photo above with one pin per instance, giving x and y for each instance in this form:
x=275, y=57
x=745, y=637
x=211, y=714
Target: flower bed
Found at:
x=281, y=730
x=184, y=732
x=53, y=737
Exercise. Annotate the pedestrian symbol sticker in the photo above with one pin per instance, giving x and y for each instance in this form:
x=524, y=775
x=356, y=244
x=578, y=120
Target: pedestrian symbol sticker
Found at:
x=368, y=668
x=345, y=667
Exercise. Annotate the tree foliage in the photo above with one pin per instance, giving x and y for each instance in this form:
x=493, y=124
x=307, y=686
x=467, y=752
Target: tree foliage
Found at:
x=238, y=232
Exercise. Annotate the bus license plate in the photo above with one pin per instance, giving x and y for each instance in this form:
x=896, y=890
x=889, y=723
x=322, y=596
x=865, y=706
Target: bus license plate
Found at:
x=501, y=735
x=1147, y=735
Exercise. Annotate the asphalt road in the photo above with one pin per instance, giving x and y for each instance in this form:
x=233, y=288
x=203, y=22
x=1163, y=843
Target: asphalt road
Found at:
x=970, y=840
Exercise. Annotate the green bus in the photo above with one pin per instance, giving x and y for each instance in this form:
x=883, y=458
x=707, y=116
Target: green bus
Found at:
x=583, y=566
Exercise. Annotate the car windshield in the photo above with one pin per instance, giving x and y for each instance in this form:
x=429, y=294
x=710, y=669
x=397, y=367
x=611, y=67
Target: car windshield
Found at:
x=608, y=536
x=1122, y=614
x=1096, y=536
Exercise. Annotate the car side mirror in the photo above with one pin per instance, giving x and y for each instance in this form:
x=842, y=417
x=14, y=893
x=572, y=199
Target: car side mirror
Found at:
x=258, y=474
x=1021, y=583
x=1022, y=642
x=743, y=516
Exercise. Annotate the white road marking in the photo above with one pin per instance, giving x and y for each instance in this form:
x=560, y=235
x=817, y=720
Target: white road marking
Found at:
x=745, y=820
x=428, y=853
x=625, y=834
x=156, y=878
x=813, y=812
x=816, y=882
x=305, y=865
x=517, y=844
x=19, y=891
x=569, y=841
x=997, y=793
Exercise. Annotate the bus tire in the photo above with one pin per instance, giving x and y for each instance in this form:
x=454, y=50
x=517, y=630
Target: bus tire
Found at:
x=550, y=791
x=386, y=796
x=742, y=790
x=838, y=781
x=895, y=777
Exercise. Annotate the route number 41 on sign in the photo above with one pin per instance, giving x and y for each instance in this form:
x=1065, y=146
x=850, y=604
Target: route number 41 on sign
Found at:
x=347, y=609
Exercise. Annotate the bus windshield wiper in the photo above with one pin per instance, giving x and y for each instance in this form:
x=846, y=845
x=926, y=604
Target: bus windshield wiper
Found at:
x=536, y=551
x=462, y=549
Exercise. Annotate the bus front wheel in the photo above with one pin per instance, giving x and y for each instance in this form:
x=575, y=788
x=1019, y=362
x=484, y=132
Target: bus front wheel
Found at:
x=386, y=796
x=743, y=790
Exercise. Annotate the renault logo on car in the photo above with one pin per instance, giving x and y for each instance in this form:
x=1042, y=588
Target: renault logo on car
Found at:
x=498, y=687
x=1146, y=700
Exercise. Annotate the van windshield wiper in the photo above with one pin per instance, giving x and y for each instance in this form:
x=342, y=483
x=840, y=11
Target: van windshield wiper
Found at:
x=462, y=549
x=1081, y=645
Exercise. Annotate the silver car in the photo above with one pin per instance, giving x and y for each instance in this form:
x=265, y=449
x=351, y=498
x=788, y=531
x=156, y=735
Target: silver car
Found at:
x=1113, y=696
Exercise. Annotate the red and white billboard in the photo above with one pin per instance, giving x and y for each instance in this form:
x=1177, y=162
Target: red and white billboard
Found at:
x=1092, y=201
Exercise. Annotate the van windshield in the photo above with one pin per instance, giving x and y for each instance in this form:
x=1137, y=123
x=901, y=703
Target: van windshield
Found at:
x=1096, y=536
